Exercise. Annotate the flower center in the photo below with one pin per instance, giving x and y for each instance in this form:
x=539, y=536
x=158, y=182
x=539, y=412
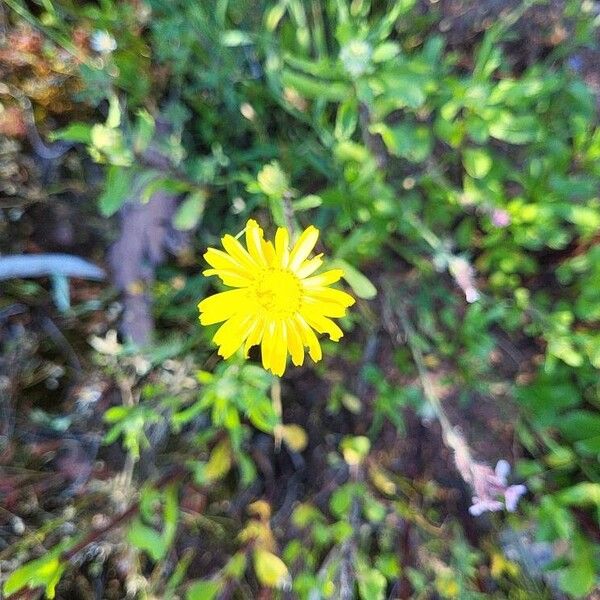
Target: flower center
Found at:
x=278, y=292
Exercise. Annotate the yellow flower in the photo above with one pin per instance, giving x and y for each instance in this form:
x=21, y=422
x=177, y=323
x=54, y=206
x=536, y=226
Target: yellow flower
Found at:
x=275, y=302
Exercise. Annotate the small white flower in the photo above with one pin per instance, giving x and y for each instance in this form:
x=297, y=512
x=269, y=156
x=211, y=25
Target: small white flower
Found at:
x=356, y=57
x=101, y=41
x=108, y=345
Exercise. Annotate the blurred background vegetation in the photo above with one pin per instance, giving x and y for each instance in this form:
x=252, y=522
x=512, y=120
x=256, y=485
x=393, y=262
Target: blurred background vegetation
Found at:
x=449, y=152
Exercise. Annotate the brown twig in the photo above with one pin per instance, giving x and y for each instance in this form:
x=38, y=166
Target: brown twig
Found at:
x=488, y=485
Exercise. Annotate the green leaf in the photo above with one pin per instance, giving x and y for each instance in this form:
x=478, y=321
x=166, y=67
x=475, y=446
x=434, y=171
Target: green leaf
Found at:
x=404, y=88
x=385, y=52
x=306, y=514
x=583, y=494
x=514, y=129
x=409, y=141
x=555, y=520
x=560, y=457
x=219, y=463
x=310, y=87
x=190, y=212
x=346, y=119
x=74, y=132
x=578, y=579
x=360, y=284
x=341, y=499
x=114, y=112
x=307, y=202
x=203, y=590
x=374, y=510
x=107, y=145
x=117, y=413
x=397, y=8
x=154, y=184
x=547, y=396
x=371, y=584
x=589, y=445
x=260, y=412
x=477, y=162
x=389, y=565
x=236, y=566
x=170, y=515
x=355, y=448
x=562, y=347
x=44, y=572
x=274, y=15
x=144, y=130
x=116, y=189
x=579, y=425
x=476, y=128
x=147, y=539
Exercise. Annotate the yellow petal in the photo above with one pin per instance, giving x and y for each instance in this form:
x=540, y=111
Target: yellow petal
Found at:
x=330, y=295
x=269, y=252
x=294, y=341
x=318, y=307
x=232, y=334
x=309, y=338
x=326, y=278
x=282, y=242
x=230, y=278
x=254, y=242
x=279, y=353
x=235, y=249
x=267, y=344
x=322, y=324
x=231, y=328
x=255, y=335
x=221, y=260
x=303, y=247
x=220, y=307
x=308, y=267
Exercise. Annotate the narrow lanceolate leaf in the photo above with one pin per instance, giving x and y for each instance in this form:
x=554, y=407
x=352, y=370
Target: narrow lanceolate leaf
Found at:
x=310, y=87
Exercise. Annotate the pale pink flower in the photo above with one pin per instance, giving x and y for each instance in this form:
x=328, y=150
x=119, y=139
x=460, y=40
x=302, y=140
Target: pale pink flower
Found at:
x=500, y=218
x=491, y=490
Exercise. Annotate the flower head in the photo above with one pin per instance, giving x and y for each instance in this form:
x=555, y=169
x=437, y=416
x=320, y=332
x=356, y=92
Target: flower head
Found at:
x=356, y=57
x=500, y=218
x=277, y=301
x=491, y=486
x=101, y=41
